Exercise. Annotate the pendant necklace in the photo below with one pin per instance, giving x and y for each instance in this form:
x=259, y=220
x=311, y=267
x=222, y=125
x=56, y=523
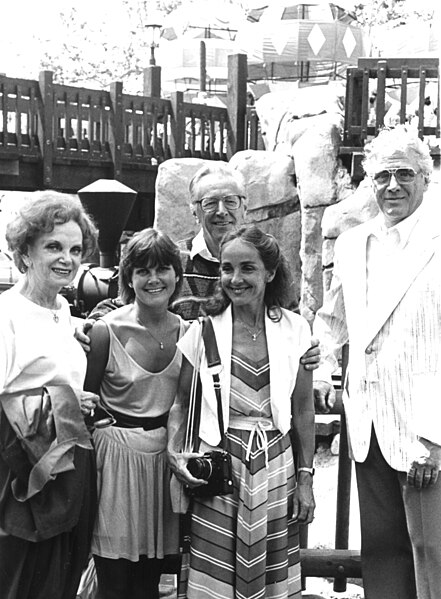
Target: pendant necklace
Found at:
x=158, y=341
x=254, y=334
x=55, y=317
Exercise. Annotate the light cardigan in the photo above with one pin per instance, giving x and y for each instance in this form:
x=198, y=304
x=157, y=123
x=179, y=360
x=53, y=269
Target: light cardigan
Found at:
x=287, y=341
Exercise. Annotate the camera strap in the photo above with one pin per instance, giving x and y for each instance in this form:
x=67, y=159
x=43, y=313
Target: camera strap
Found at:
x=214, y=365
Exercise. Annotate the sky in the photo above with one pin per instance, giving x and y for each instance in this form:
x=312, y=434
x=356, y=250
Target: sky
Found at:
x=21, y=47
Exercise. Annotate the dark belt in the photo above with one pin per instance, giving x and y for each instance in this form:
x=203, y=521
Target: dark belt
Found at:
x=148, y=424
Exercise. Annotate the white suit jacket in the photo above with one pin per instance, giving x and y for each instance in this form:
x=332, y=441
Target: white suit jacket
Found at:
x=394, y=353
x=287, y=341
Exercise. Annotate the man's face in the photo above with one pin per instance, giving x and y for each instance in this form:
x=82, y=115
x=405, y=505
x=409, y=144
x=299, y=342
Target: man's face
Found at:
x=222, y=219
x=400, y=194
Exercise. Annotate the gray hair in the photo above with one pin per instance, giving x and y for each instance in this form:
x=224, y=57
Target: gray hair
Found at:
x=219, y=168
x=401, y=139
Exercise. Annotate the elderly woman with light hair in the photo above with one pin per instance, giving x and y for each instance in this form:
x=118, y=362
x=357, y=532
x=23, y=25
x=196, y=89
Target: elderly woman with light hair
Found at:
x=47, y=476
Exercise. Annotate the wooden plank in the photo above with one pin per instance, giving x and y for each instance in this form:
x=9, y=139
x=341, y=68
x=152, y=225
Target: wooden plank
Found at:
x=116, y=133
x=403, y=95
x=421, y=99
x=381, y=94
x=47, y=132
x=397, y=63
x=330, y=563
x=236, y=102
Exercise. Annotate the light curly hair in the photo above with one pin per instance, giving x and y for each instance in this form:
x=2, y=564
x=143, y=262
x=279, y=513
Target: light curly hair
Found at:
x=40, y=215
x=401, y=140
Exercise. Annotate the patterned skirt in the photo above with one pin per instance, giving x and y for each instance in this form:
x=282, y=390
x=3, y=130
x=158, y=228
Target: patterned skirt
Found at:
x=246, y=545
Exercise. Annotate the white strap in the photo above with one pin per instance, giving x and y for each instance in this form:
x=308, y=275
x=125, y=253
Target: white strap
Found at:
x=257, y=427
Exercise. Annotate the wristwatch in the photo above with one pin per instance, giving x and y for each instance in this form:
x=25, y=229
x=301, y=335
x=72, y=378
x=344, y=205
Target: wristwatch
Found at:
x=310, y=471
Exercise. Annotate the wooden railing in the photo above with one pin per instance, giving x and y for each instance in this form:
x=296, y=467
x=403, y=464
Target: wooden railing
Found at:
x=338, y=562
x=370, y=105
x=65, y=137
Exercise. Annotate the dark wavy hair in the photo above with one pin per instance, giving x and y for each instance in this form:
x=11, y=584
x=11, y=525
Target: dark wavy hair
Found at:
x=40, y=215
x=277, y=291
x=148, y=248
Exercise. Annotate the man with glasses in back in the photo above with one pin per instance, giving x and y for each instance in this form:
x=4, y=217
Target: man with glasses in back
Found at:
x=218, y=203
x=385, y=300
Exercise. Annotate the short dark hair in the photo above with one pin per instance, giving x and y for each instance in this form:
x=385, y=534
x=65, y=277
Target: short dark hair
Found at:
x=40, y=215
x=277, y=291
x=149, y=247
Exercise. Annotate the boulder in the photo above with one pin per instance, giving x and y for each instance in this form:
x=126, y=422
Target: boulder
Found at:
x=172, y=202
x=276, y=109
x=355, y=209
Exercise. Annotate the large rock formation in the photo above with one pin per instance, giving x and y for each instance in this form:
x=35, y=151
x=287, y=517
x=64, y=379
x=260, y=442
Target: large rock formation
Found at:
x=289, y=185
x=307, y=125
x=273, y=202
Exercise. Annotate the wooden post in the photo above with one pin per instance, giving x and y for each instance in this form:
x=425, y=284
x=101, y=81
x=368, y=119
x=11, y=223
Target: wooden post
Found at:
x=45, y=133
x=177, y=125
x=152, y=81
x=236, y=103
x=116, y=133
x=203, y=67
x=343, y=485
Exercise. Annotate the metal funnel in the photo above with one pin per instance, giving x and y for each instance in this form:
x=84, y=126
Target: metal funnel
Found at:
x=109, y=202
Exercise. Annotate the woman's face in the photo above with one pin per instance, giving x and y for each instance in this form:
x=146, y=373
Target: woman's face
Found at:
x=54, y=258
x=154, y=285
x=243, y=274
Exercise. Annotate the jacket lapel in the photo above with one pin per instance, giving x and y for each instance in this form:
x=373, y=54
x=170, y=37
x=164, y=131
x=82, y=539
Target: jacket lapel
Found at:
x=413, y=258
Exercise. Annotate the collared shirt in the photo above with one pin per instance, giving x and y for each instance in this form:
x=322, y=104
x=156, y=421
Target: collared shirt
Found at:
x=199, y=246
x=383, y=246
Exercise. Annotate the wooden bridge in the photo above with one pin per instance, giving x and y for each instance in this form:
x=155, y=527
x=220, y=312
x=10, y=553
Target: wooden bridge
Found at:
x=63, y=137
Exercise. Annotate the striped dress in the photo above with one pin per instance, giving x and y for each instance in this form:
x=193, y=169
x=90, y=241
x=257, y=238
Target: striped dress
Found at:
x=245, y=545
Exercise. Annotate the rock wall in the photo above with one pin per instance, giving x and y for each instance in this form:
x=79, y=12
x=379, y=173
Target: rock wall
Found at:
x=273, y=202
x=289, y=185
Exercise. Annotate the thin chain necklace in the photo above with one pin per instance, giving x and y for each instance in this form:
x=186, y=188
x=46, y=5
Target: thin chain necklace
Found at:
x=254, y=334
x=158, y=341
x=38, y=302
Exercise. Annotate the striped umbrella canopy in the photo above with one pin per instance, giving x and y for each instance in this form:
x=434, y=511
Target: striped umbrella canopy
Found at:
x=312, y=38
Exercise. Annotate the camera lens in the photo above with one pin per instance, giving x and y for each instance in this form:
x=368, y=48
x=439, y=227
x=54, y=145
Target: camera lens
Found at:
x=200, y=468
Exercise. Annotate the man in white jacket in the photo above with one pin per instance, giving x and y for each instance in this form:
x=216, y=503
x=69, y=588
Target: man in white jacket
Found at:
x=385, y=300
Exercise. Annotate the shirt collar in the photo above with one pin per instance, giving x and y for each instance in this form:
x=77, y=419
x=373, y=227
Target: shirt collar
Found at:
x=199, y=246
x=401, y=230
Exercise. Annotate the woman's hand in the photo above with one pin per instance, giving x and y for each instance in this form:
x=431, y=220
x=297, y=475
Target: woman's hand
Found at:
x=304, y=502
x=178, y=465
x=88, y=402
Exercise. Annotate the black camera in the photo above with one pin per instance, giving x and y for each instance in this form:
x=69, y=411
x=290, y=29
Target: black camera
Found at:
x=214, y=467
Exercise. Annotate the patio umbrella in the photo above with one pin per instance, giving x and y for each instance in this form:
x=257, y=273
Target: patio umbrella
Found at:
x=308, y=40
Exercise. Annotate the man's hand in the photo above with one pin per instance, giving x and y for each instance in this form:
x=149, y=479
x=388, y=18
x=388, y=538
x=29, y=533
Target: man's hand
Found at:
x=425, y=469
x=81, y=334
x=324, y=396
x=311, y=359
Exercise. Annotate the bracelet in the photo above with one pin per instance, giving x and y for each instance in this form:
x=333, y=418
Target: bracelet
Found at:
x=310, y=471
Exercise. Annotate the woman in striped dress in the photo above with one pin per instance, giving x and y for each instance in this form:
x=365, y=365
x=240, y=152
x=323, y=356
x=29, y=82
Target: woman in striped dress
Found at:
x=245, y=545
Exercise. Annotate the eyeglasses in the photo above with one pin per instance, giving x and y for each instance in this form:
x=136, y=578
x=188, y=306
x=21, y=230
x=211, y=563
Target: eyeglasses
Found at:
x=402, y=175
x=232, y=202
